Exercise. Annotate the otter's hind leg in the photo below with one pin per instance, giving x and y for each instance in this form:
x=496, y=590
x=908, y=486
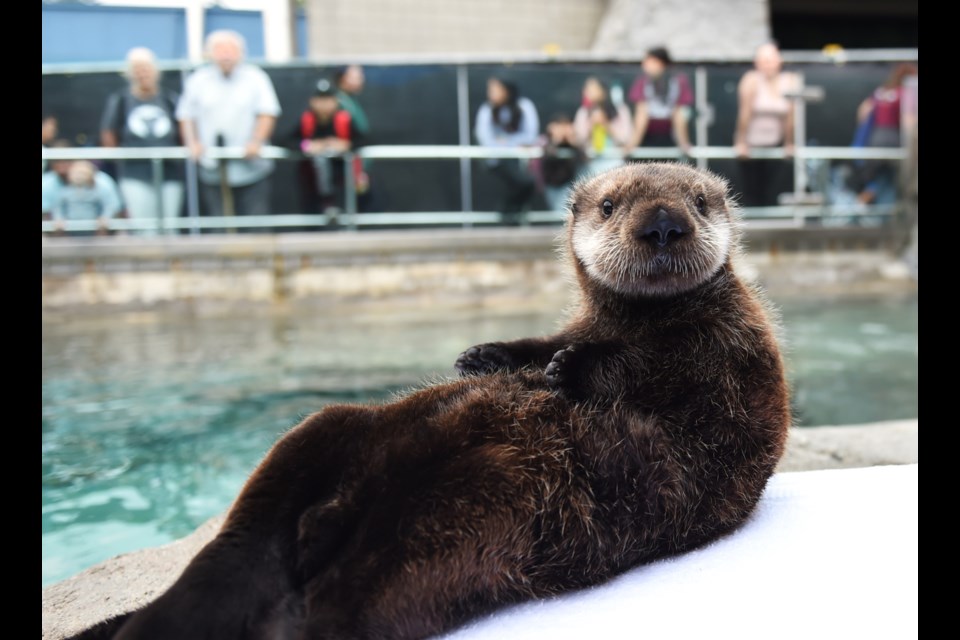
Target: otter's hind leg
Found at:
x=245, y=583
x=431, y=552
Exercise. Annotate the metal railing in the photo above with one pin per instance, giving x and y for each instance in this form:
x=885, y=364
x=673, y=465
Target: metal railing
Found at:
x=793, y=214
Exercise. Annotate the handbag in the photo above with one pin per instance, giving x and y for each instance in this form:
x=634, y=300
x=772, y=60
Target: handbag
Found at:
x=861, y=137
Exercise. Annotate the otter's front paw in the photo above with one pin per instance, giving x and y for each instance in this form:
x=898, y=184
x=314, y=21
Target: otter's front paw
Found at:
x=483, y=358
x=563, y=372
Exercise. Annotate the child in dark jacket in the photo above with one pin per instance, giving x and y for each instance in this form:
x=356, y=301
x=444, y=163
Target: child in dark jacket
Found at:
x=325, y=131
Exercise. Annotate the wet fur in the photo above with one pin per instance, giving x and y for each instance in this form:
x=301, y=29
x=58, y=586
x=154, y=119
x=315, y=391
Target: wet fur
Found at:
x=647, y=426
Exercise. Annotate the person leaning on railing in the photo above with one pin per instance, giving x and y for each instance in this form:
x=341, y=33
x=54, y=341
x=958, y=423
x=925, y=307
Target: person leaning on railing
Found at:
x=662, y=99
x=75, y=190
x=230, y=103
x=324, y=131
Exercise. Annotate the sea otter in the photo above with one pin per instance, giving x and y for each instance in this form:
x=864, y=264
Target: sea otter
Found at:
x=648, y=426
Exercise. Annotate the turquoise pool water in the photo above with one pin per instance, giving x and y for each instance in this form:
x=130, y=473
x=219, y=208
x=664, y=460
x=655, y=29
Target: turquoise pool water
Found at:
x=149, y=427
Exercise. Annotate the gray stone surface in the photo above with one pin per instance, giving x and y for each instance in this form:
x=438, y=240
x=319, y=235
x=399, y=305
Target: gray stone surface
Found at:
x=694, y=29
x=497, y=27
x=131, y=580
x=121, y=584
x=809, y=448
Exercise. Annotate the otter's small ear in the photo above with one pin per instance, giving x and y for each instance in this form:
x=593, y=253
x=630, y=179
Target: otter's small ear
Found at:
x=574, y=208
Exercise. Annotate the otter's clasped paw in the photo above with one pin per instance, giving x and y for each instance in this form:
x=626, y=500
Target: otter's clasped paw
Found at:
x=483, y=358
x=563, y=371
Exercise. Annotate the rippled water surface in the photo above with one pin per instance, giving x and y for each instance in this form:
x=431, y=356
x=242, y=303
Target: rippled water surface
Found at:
x=149, y=427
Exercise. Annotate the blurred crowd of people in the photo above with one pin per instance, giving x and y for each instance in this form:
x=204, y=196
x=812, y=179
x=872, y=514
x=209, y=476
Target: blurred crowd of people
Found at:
x=604, y=131
x=232, y=103
x=225, y=103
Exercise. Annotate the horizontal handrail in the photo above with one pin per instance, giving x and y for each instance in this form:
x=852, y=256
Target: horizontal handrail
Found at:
x=439, y=152
x=788, y=214
x=712, y=152
x=791, y=215
x=810, y=56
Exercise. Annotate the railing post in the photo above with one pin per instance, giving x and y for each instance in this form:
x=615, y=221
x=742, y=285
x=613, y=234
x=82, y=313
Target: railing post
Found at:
x=350, y=190
x=704, y=113
x=463, y=129
x=799, y=139
x=156, y=166
x=190, y=175
x=193, y=193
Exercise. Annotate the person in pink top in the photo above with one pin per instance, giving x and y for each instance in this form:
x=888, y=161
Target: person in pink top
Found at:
x=884, y=108
x=764, y=121
x=596, y=94
x=662, y=99
x=601, y=129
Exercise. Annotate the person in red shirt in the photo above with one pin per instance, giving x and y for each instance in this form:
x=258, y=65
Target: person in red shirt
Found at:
x=662, y=99
x=881, y=113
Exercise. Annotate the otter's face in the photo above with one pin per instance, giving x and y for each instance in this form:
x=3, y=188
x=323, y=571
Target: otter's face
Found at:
x=651, y=229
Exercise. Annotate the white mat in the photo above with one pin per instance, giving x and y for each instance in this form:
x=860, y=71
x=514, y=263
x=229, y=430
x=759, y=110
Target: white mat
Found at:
x=828, y=554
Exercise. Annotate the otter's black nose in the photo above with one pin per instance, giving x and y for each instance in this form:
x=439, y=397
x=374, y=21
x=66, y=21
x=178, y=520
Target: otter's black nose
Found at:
x=664, y=229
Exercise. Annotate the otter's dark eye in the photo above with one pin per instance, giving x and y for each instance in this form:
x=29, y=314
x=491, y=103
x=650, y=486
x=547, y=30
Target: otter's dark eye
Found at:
x=701, y=205
x=607, y=208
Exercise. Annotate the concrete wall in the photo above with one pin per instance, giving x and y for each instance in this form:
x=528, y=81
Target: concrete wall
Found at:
x=395, y=269
x=355, y=27
x=702, y=29
x=516, y=268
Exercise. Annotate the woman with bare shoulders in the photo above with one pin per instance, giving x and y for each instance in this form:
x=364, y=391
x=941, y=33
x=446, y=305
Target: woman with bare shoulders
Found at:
x=764, y=121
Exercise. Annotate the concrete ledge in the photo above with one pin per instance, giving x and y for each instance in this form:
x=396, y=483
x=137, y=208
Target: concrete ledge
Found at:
x=427, y=242
x=132, y=580
x=341, y=244
x=839, y=447
x=435, y=268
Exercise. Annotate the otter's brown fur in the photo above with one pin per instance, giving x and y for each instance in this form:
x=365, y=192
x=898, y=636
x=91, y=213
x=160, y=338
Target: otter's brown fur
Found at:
x=647, y=426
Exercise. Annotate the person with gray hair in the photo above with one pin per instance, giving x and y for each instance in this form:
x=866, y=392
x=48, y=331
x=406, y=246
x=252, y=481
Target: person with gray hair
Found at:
x=142, y=114
x=230, y=103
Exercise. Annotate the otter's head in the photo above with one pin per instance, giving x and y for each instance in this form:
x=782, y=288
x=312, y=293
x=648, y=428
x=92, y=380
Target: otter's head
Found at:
x=651, y=229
